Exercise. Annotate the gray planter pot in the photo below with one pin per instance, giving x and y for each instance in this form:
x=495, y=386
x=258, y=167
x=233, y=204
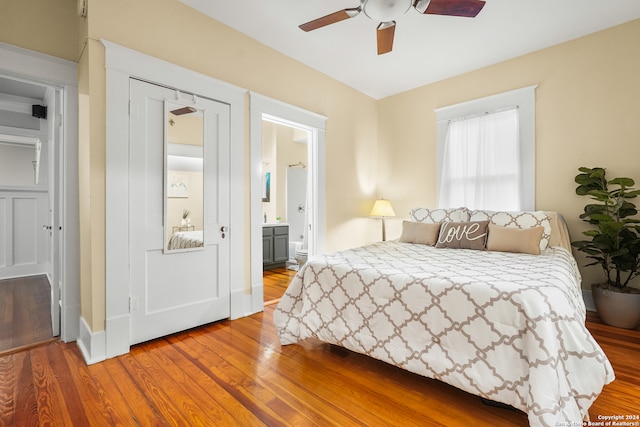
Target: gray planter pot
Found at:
x=617, y=308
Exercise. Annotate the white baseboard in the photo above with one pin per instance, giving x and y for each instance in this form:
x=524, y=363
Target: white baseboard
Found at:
x=92, y=345
x=243, y=305
x=24, y=270
x=257, y=297
x=70, y=324
x=117, y=335
x=588, y=300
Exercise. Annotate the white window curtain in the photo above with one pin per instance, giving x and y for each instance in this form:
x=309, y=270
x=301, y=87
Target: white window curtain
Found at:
x=481, y=165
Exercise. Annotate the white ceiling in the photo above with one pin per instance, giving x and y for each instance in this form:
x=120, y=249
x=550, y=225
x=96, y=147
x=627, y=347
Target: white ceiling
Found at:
x=427, y=48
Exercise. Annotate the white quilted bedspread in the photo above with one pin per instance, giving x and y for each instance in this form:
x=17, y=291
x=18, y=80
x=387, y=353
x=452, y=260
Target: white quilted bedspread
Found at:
x=504, y=326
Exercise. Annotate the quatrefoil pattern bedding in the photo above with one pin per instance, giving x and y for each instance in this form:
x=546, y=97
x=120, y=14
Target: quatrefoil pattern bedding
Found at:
x=508, y=327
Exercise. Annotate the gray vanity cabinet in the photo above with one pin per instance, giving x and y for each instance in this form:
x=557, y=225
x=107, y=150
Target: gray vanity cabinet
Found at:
x=275, y=246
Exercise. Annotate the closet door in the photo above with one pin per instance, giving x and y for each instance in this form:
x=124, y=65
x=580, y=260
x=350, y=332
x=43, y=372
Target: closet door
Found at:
x=173, y=290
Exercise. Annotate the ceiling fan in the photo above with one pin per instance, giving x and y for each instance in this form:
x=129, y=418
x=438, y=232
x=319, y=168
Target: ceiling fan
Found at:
x=386, y=11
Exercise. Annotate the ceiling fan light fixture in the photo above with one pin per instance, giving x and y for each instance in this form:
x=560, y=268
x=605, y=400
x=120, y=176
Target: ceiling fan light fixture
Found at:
x=385, y=10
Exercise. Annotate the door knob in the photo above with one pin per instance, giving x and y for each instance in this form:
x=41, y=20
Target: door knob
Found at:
x=224, y=229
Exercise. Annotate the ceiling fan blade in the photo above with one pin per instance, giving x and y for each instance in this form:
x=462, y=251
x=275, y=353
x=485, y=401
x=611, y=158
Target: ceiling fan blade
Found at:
x=385, y=33
x=332, y=18
x=466, y=8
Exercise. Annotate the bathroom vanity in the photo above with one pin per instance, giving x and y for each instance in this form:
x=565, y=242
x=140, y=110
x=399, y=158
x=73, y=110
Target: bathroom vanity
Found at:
x=275, y=245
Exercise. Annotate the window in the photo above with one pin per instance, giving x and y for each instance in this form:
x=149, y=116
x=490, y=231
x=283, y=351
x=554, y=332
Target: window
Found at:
x=486, y=152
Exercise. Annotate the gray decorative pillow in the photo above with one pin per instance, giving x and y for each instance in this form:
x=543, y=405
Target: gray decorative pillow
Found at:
x=422, y=233
x=463, y=235
x=518, y=219
x=433, y=216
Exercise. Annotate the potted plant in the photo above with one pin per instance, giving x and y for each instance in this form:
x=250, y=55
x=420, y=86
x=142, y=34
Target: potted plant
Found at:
x=614, y=244
x=185, y=216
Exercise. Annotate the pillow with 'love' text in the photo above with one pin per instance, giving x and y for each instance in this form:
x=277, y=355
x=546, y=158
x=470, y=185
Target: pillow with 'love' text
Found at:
x=463, y=235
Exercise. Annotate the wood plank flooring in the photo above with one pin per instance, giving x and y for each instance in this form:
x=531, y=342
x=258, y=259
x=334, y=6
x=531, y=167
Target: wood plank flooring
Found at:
x=25, y=312
x=236, y=373
x=275, y=283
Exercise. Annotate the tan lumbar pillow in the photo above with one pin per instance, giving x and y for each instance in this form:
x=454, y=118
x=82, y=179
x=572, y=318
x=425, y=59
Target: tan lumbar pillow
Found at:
x=511, y=239
x=419, y=232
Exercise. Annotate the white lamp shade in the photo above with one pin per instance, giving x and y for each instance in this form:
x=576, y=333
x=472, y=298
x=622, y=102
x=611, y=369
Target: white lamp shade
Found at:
x=382, y=208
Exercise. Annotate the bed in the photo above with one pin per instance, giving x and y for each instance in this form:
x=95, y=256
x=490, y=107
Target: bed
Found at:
x=186, y=240
x=506, y=325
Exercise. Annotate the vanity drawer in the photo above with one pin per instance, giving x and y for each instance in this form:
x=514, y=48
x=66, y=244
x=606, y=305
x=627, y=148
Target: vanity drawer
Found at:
x=278, y=231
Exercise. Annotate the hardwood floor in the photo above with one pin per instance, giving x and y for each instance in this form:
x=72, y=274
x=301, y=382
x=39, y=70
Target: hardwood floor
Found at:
x=25, y=312
x=275, y=283
x=236, y=373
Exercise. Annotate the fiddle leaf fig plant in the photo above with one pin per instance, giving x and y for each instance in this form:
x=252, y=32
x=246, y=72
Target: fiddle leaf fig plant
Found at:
x=615, y=240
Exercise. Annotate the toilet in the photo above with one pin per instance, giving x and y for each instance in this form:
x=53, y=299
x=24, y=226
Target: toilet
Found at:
x=301, y=256
x=297, y=255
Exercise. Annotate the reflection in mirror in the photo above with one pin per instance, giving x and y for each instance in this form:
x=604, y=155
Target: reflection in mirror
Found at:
x=184, y=166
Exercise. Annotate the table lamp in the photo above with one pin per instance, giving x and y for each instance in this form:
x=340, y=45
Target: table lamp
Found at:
x=382, y=209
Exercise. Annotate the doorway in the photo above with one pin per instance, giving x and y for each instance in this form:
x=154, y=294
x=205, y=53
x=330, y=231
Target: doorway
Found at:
x=285, y=160
x=123, y=65
x=312, y=125
x=38, y=186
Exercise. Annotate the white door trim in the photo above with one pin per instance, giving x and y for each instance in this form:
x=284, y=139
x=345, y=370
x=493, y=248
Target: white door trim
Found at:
x=61, y=75
x=121, y=65
x=262, y=106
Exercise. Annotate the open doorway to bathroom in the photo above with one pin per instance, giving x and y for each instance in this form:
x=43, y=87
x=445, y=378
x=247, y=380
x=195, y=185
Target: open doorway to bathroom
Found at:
x=264, y=109
x=285, y=203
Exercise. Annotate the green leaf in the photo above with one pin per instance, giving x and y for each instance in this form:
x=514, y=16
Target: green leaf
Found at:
x=601, y=217
x=600, y=195
x=623, y=182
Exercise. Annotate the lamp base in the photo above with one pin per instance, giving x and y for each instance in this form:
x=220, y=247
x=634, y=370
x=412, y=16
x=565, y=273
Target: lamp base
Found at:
x=384, y=231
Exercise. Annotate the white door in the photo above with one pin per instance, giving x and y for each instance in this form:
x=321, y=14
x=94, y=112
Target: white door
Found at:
x=174, y=291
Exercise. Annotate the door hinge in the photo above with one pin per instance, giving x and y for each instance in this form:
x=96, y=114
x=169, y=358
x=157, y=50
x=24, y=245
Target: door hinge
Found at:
x=133, y=304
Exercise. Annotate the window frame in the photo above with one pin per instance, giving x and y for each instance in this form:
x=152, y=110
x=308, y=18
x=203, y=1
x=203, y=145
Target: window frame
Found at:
x=524, y=99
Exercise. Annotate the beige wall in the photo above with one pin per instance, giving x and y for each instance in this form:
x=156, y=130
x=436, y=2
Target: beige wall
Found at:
x=587, y=114
x=49, y=27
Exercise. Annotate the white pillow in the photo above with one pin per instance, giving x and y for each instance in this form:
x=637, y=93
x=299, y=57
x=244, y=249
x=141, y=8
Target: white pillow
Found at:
x=518, y=219
x=434, y=216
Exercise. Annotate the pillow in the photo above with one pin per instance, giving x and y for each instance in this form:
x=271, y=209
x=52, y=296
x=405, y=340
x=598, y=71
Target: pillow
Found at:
x=463, y=235
x=416, y=232
x=511, y=239
x=433, y=216
x=518, y=219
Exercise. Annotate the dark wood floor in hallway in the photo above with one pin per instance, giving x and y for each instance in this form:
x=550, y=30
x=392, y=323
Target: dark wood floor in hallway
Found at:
x=25, y=312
